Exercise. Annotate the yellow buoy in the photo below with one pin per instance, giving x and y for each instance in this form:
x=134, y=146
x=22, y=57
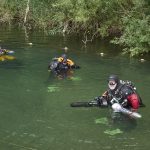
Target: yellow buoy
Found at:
x=6, y=57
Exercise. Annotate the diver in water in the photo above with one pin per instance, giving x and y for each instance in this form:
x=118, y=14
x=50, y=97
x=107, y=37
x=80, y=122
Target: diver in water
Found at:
x=2, y=51
x=5, y=54
x=61, y=64
x=122, y=93
x=121, y=96
x=5, y=51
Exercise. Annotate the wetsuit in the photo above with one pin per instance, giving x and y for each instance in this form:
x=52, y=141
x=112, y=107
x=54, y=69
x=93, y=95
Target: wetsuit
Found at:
x=124, y=95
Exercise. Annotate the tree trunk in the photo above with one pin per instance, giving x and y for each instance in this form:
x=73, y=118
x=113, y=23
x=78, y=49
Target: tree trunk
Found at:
x=26, y=13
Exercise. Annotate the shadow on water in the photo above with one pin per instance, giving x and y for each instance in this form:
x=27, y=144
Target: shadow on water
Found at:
x=63, y=75
x=124, y=123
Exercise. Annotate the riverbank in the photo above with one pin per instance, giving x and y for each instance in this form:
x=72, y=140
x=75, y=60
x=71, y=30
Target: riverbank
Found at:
x=126, y=22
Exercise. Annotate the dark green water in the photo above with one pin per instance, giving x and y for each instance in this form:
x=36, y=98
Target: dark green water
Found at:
x=36, y=116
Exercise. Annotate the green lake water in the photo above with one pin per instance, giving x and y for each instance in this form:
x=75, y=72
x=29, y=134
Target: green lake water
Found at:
x=35, y=107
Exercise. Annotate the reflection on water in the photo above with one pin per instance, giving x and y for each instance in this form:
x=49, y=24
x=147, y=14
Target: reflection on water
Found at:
x=35, y=105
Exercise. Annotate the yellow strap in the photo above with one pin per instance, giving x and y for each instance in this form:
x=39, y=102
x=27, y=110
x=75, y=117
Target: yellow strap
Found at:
x=60, y=59
x=70, y=62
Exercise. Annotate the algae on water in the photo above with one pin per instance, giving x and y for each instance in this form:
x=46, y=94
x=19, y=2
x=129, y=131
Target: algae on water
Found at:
x=113, y=132
x=102, y=121
x=75, y=78
x=53, y=88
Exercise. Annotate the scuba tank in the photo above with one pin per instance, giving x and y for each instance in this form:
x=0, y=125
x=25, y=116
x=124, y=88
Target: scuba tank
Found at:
x=134, y=89
x=117, y=108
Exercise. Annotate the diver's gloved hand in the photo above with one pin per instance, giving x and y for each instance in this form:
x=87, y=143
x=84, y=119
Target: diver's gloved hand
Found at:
x=97, y=98
x=75, y=67
x=101, y=101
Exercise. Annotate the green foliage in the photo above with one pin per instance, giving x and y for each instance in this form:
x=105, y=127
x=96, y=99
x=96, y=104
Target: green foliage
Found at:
x=5, y=16
x=17, y=7
x=136, y=31
x=91, y=17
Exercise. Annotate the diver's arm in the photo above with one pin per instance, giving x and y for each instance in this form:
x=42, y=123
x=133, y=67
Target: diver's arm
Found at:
x=103, y=100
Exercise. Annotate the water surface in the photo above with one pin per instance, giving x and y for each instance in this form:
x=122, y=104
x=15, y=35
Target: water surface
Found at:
x=35, y=106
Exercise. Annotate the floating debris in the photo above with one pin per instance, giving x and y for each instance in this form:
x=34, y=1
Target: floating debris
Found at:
x=113, y=132
x=53, y=89
x=101, y=54
x=102, y=121
x=142, y=60
x=30, y=43
x=65, y=49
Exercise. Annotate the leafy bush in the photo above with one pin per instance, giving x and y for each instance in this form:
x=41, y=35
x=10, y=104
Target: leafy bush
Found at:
x=129, y=19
